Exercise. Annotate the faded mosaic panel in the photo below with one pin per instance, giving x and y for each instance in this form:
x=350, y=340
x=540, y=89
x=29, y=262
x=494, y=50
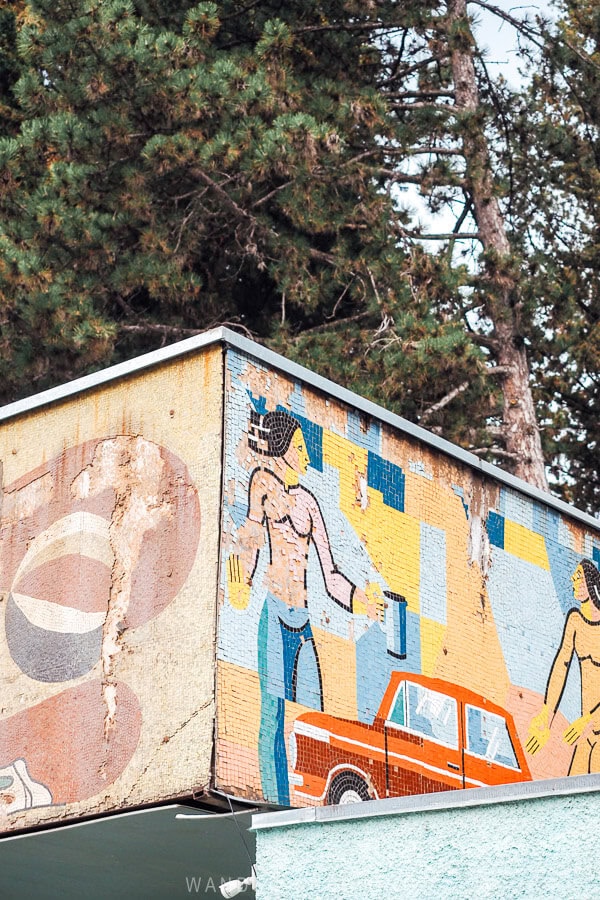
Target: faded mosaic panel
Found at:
x=389, y=623
x=108, y=550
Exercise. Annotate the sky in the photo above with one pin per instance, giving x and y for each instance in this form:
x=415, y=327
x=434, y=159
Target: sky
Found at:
x=499, y=40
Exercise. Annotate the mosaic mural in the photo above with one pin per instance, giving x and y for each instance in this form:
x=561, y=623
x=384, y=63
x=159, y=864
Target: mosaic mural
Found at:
x=390, y=621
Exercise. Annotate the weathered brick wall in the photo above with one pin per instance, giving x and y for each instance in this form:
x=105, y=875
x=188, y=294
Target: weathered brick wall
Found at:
x=108, y=560
x=477, y=579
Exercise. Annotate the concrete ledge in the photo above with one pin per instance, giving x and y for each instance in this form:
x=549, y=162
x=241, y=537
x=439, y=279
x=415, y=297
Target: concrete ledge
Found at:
x=444, y=800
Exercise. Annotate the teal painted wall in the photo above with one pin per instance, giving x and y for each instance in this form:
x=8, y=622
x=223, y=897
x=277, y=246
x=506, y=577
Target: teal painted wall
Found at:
x=542, y=847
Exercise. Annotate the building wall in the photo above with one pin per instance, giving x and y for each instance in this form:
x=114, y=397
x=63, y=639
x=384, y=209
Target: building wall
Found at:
x=477, y=578
x=108, y=559
x=528, y=849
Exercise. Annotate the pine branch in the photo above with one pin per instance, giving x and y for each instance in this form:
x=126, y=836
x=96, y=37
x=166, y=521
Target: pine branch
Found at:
x=403, y=73
x=459, y=223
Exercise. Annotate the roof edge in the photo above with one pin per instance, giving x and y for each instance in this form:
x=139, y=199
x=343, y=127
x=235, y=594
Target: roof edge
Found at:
x=274, y=360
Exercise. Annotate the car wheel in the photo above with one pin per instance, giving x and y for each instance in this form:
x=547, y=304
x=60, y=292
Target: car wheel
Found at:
x=348, y=787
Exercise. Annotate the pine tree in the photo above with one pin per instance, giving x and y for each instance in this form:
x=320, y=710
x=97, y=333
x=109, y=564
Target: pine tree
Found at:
x=557, y=156
x=178, y=165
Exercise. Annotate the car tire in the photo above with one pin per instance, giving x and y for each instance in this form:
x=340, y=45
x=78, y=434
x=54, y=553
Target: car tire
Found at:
x=348, y=787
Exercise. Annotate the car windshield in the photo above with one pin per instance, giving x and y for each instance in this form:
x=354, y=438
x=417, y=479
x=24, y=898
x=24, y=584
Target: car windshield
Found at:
x=426, y=712
x=488, y=737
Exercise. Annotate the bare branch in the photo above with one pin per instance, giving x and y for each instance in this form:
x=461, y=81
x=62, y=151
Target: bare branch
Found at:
x=428, y=177
x=319, y=256
x=401, y=95
x=271, y=194
x=484, y=340
x=341, y=297
x=403, y=73
x=449, y=236
x=155, y=328
x=441, y=151
x=438, y=107
x=498, y=371
x=425, y=416
x=374, y=286
x=522, y=26
x=495, y=451
x=346, y=26
x=326, y=326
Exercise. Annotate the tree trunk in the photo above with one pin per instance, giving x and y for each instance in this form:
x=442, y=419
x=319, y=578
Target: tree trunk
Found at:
x=520, y=429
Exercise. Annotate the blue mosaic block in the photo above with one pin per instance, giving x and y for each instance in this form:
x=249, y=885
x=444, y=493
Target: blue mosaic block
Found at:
x=495, y=529
x=388, y=478
x=259, y=403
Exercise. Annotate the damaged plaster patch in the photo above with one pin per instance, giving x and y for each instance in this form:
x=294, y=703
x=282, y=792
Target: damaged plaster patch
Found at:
x=132, y=467
x=479, y=549
x=21, y=504
x=418, y=467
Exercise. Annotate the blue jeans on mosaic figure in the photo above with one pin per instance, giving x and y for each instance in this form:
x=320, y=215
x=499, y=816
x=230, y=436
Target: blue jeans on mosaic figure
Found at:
x=288, y=669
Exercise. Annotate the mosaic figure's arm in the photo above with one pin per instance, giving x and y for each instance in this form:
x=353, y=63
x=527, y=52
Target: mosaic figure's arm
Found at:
x=248, y=543
x=339, y=588
x=539, y=727
x=560, y=667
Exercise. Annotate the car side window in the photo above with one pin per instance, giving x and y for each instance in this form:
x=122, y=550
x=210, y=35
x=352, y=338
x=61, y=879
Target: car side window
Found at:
x=425, y=712
x=488, y=737
x=397, y=714
x=432, y=715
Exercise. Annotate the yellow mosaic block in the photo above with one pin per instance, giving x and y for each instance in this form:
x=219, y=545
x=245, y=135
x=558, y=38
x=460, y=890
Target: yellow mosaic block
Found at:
x=522, y=542
x=338, y=670
x=432, y=638
x=392, y=538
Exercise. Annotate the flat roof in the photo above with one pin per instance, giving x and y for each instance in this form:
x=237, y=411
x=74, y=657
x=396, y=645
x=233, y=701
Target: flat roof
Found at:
x=419, y=803
x=273, y=360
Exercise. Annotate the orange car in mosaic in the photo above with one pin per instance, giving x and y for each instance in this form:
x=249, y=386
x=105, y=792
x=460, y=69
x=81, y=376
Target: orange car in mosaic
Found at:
x=428, y=735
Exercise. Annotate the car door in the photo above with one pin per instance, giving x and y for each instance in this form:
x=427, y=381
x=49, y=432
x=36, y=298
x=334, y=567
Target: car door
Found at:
x=423, y=750
x=490, y=757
